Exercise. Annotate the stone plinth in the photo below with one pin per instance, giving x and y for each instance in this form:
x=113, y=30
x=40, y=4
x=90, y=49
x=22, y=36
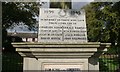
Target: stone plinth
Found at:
x=43, y=56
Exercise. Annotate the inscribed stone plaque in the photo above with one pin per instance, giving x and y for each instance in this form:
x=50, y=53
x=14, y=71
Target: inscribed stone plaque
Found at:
x=74, y=67
x=60, y=25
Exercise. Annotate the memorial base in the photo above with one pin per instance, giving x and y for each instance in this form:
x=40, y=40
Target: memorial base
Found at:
x=61, y=56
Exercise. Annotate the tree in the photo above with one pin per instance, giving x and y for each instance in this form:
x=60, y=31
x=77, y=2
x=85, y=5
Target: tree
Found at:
x=19, y=12
x=15, y=13
x=103, y=21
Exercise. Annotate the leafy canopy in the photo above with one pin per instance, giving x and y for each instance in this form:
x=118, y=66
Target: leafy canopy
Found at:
x=103, y=21
x=19, y=12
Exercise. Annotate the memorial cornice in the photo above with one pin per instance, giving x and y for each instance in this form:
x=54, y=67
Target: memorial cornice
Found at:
x=60, y=50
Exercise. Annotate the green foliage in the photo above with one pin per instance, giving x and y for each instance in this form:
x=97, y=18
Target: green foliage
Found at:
x=108, y=64
x=103, y=21
x=15, y=13
x=19, y=12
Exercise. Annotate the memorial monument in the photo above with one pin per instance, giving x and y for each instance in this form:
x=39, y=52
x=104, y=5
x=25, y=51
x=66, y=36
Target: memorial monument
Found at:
x=62, y=43
x=61, y=25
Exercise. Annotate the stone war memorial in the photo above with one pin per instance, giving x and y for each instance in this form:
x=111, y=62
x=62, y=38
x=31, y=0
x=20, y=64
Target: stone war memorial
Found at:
x=62, y=43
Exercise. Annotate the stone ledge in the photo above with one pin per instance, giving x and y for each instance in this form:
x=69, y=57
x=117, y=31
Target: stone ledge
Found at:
x=50, y=50
x=54, y=43
x=57, y=45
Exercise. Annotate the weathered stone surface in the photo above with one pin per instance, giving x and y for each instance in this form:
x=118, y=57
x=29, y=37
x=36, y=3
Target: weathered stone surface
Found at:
x=44, y=55
x=62, y=43
x=62, y=25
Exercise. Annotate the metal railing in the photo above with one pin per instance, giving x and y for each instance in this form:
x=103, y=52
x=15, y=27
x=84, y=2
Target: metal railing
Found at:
x=109, y=62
